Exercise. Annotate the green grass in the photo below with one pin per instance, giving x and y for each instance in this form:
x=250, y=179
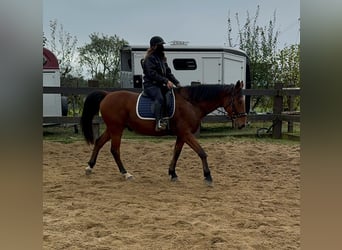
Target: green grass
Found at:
x=209, y=131
x=61, y=133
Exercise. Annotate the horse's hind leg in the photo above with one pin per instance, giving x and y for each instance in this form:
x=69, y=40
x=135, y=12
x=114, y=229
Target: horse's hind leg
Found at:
x=115, y=150
x=176, y=152
x=97, y=146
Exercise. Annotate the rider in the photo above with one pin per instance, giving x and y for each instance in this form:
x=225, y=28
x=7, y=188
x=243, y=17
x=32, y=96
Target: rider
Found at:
x=157, y=77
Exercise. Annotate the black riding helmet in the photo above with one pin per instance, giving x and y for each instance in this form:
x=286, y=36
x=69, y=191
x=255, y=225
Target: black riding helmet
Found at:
x=156, y=40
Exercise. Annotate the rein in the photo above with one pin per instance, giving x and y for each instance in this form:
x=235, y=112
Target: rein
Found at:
x=234, y=115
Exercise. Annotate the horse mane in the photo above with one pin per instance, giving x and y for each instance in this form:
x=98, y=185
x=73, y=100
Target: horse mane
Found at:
x=205, y=92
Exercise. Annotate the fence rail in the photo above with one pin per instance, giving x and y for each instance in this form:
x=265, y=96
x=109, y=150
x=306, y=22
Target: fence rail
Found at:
x=277, y=116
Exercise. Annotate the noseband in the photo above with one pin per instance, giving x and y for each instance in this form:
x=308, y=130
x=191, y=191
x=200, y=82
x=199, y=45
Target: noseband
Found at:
x=234, y=115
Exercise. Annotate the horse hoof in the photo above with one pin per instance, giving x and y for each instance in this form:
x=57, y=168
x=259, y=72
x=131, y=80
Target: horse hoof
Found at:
x=174, y=179
x=128, y=176
x=209, y=182
x=88, y=170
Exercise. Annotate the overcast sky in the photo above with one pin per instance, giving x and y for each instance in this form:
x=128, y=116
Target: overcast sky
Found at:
x=200, y=22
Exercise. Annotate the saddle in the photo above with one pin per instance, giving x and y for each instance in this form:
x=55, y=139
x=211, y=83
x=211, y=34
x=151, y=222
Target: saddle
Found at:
x=145, y=107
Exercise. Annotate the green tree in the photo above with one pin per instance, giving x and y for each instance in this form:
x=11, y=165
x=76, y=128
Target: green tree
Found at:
x=63, y=45
x=260, y=44
x=287, y=71
x=267, y=64
x=44, y=40
x=287, y=65
x=102, y=58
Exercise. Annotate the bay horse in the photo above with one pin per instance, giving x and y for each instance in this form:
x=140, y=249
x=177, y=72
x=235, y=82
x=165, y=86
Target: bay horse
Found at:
x=192, y=103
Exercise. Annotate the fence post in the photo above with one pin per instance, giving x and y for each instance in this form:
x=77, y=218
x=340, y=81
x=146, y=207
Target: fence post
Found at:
x=290, y=104
x=277, y=109
x=96, y=130
x=96, y=126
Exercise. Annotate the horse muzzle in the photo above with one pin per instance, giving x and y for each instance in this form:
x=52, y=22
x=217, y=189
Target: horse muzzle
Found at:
x=240, y=120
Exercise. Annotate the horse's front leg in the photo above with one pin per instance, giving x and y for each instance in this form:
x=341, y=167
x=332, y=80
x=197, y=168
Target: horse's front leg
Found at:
x=176, y=152
x=193, y=143
x=115, y=150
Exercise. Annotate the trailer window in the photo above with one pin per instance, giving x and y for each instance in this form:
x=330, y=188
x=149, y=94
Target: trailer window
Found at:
x=184, y=64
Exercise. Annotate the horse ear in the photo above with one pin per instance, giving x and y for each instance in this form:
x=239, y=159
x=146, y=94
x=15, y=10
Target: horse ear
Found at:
x=239, y=85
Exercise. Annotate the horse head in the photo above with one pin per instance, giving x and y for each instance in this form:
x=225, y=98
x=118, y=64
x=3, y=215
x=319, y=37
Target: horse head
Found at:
x=235, y=106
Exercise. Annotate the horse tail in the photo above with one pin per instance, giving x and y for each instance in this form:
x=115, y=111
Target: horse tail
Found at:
x=91, y=107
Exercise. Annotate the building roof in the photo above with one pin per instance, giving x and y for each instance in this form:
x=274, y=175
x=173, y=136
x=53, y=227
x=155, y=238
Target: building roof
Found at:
x=49, y=60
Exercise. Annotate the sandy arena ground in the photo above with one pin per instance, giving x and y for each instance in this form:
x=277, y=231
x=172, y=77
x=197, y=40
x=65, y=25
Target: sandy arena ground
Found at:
x=253, y=204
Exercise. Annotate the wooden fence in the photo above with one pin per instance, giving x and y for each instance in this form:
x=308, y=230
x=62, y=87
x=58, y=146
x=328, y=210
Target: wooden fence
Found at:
x=278, y=115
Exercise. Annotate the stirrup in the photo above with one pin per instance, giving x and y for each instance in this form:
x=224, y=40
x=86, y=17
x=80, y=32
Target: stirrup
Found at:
x=160, y=125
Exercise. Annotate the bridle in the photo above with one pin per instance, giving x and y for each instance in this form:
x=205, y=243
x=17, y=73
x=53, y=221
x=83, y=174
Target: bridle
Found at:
x=234, y=114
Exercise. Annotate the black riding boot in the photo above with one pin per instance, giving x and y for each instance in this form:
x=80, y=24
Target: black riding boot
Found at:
x=160, y=124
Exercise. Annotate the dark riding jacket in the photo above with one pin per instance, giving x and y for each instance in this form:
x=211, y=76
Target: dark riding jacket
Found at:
x=157, y=72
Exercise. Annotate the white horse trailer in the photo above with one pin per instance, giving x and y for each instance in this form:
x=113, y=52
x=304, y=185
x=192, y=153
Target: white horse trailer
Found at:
x=190, y=65
x=54, y=105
